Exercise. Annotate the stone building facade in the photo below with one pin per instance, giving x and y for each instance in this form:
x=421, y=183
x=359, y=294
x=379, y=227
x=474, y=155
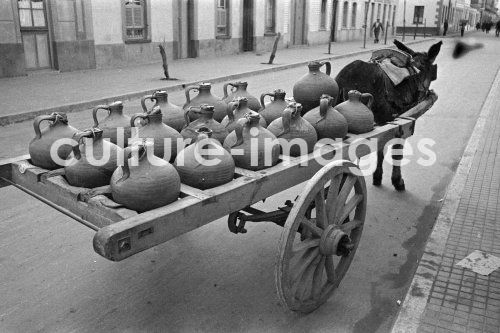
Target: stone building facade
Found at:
x=69, y=35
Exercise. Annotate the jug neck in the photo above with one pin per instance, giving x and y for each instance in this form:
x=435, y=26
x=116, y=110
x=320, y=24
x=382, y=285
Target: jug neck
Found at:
x=116, y=108
x=155, y=118
x=279, y=95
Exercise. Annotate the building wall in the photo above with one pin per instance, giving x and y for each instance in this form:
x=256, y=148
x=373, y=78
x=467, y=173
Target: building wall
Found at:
x=432, y=17
x=11, y=47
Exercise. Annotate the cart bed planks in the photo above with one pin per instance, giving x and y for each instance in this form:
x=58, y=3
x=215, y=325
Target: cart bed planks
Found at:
x=122, y=232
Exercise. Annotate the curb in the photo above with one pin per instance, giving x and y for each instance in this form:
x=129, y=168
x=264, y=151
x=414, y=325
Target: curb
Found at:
x=413, y=307
x=75, y=107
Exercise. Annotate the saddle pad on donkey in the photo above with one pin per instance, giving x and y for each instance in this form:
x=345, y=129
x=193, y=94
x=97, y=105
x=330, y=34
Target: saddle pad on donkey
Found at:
x=395, y=73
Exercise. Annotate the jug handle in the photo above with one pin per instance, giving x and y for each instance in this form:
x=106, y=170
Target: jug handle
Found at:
x=224, y=88
x=286, y=121
x=229, y=110
x=143, y=102
x=264, y=96
x=324, y=104
x=94, y=113
x=135, y=116
x=370, y=99
x=186, y=115
x=188, y=89
x=239, y=131
x=38, y=120
x=328, y=66
x=79, y=138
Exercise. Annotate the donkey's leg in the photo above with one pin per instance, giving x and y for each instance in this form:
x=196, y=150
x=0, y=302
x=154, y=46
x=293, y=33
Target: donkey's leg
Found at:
x=396, y=178
x=377, y=175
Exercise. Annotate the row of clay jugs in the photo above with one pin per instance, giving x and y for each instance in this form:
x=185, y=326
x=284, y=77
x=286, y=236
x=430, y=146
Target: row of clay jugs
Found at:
x=173, y=115
x=236, y=110
x=274, y=109
x=358, y=115
x=205, y=164
x=248, y=133
x=204, y=118
x=309, y=89
x=204, y=97
x=292, y=126
x=93, y=160
x=239, y=89
x=155, y=129
x=327, y=121
x=115, y=119
x=145, y=181
x=39, y=147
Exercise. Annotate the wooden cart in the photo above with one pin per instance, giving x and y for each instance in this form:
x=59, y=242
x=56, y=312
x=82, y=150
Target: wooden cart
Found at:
x=322, y=227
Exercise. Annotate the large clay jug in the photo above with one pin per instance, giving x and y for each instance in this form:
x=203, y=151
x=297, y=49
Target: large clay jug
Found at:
x=204, y=119
x=239, y=89
x=165, y=137
x=93, y=160
x=291, y=127
x=205, y=97
x=39, y=147
x=327, y=121
x=274, y=109
x=308, y=90
x=145, y=181
x=358, y=115
x=205, y=164
x=237, y=110
x=173, y=115
x=115, y=120
x=243, y=139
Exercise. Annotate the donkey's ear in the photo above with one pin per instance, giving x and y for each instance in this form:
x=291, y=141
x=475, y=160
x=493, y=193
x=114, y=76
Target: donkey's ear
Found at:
x=434, y=51
x=404, y=48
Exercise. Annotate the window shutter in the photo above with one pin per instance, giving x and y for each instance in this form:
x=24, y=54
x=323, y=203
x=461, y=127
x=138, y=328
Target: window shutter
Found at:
x=129, y=17
x=138, y=16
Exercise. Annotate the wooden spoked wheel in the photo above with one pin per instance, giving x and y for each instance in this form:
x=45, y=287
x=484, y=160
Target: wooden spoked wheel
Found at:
x=320, y=236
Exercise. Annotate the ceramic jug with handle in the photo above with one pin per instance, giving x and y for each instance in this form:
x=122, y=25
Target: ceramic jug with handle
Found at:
x=239, y=89
x=204, y=119
x=173, y=115
x=237, y=110
x=327, y=121
x=204, y=97
x=274, y=109
x=359, y=116
x=113, y=122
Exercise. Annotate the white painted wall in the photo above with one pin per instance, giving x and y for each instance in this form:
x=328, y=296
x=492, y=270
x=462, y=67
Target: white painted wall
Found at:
x=236, y=8
x=205, y=19
x=107, y=22
x=430, y=7
x=161, y=21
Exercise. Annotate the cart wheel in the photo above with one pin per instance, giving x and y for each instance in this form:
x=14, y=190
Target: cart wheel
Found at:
x=317, y=246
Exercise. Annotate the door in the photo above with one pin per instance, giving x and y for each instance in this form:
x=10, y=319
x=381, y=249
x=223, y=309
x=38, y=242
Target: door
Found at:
x=298, y=24
x=185, y=21
x=35, y=33
x=247, y=25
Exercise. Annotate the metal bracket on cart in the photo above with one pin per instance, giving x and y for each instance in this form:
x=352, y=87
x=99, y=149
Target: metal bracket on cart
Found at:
x=236, y=220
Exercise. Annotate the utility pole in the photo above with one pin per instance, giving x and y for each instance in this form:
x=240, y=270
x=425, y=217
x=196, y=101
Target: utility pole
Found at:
x=404, y=19
x=367, y=3
x=333, y=26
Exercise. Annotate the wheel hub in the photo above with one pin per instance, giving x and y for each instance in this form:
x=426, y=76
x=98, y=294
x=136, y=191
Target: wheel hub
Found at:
x=335, y=242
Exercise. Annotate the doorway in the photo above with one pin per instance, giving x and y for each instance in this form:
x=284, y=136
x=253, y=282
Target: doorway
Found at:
x=34, y=33
x=185, y=29
x=298, y=24
x=247, y=25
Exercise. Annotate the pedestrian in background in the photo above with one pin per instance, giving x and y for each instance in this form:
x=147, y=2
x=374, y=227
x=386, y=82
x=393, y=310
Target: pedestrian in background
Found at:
x=497, y=28
x=445, y=27
x=478, y=26
x=377, y=27
x=462, y=28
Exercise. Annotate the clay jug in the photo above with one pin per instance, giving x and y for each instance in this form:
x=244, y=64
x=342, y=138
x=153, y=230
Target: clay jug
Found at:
x=93, y=160
x=115, y=119
x=249, y=133
x=205, y=97
x=292, y=126
x=274, y=109
x=239, y=89
x=201, y=169
x=204, y=119
x=145, y=181
x=39, y=147
x=327, y=121
x=308, y=90
x=358, y=115
x=165, y=137
x=237, y=110
x=173, y=115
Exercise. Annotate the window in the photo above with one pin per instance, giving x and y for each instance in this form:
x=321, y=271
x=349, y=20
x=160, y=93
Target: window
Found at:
x=135, y=20
x=322, y=24
x=345, y=13
x=222, y=17
x=270, y=16
x=378, y=10
x=418, y=16
x=353, y=16
x=31, y=13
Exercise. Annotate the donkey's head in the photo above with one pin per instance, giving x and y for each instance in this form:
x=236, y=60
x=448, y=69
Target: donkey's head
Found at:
x=424, y=61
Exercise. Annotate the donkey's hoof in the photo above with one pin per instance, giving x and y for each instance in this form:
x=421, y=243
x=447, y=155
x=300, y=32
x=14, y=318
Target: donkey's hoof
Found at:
x=399, y=184
x=377, y=181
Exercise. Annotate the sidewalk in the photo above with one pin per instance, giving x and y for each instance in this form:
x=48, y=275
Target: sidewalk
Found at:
x=41, y=93
x=444, y=297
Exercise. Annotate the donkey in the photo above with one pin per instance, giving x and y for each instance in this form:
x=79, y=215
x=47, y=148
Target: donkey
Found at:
x=391, y=100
